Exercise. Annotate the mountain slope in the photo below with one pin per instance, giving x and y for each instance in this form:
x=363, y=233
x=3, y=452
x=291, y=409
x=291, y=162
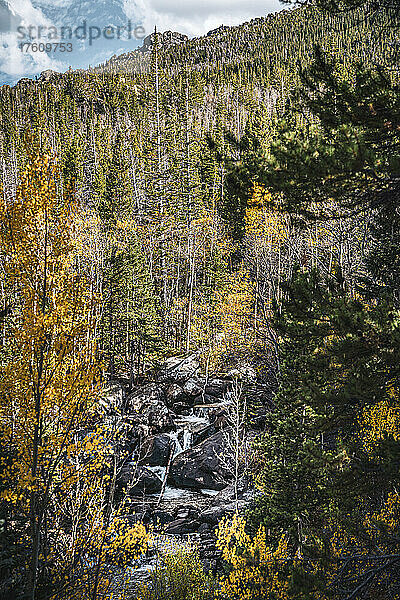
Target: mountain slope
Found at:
x=271, y=47
x=205, y=84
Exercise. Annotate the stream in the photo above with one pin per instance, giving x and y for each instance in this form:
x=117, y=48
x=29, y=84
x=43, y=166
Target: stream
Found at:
x=187, y=427
x=179, y=478
x=174, y=501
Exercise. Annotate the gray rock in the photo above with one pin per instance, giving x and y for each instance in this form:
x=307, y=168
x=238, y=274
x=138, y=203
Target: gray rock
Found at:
x=213, y=515
x=181, y=408
x=227, y=495
x=179, y=370
x=156, y=449
x=147, y=406
x=245, y=373
x=193, y=388
x=201, y=466
x=49, y=75
x=186, y=512
x=217, y=387
x=166, y=39
x=162, y=517
x=204, y=433
x=139, y=480
x=210, y=400
x=219, y=417
x=174, y=394
x=182, y=526
x=139, y=517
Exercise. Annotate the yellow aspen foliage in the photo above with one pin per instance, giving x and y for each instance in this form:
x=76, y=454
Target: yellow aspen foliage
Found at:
x=379, y=422
x=265, y=224
x=234, y=307
x=106, y=546
x=51, y=376
x=382, y=419
x=256, y=570
x=387, y=519
x=180, y=576
x=59, y=457
x=380, y=530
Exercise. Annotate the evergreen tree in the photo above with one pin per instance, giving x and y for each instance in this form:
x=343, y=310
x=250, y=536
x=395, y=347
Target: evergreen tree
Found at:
x=338, y=364
x=117, y=198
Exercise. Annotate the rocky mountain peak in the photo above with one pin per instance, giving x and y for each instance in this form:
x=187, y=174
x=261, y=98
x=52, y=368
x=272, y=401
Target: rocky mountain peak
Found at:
x=165, y=39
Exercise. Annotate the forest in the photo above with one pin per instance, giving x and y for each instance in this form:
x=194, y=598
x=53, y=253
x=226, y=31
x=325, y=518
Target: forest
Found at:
x=200, y=316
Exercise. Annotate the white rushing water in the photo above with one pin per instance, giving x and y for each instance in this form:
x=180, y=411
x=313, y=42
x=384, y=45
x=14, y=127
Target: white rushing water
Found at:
x=182, y=438
x=174, y=436
x=159, y=471
x=186, y=426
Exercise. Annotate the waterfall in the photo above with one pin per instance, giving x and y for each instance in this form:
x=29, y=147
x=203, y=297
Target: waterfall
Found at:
x=173, y=435
x=187, y=439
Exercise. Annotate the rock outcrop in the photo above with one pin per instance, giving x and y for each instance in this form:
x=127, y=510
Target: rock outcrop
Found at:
x=156, y=450
x=165, y=39
x=179, y=370
x=204, y=466
x=139, y=480
x=147, y=406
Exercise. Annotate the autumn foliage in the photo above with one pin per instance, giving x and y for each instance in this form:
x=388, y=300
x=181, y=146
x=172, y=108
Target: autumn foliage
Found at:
x=54, y=476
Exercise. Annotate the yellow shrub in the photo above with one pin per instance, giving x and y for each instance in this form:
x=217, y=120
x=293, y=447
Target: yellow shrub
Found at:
x=255, y=568
x=181, y=577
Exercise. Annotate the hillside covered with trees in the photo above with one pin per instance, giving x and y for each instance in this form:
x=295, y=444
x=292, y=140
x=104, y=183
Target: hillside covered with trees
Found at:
x=200, y=288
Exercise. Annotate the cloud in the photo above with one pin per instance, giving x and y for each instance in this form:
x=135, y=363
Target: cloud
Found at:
x=192, y=17
x=14, y=62
x=26, y=13
x=196, y=17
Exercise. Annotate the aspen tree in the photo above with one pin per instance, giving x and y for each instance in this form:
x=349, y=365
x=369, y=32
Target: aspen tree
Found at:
x=49, y=382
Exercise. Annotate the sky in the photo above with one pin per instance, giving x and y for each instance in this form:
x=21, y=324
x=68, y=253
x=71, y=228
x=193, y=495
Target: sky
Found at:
x=18, y=59
x=197, y=17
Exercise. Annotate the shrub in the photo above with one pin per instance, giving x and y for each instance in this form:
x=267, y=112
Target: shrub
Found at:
x=180, y=577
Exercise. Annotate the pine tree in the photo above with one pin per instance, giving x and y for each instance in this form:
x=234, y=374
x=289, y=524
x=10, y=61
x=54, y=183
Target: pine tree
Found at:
x=320, y=477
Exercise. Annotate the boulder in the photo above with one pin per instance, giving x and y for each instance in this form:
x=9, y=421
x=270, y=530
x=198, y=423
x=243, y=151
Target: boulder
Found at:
x=156, y=449
x=166, y=39
x=139, y=480
x=174, y=394
x=193, y=388
x=227, y=495
x=206, y=401
x=139, y=517
x=203, y=434
x=213, y=515
x=181, y=408
x=182, y=527
x=146, y=406
x=178, y=370
x=245, y=373
x=186, y=511
x=201, y=466
x=210, y=400
x=217, y=387
x=219, y=417
x=161, y=517
x=49, y=75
